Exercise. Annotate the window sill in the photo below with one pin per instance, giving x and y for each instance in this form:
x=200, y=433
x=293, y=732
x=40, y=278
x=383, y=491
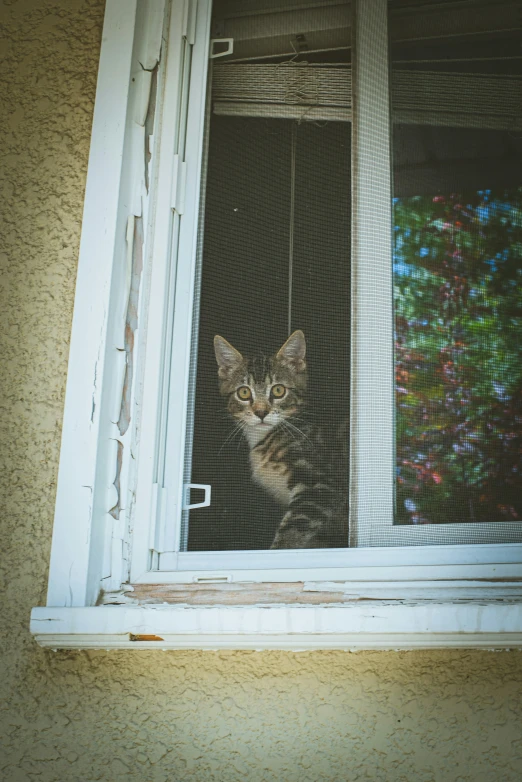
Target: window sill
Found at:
x=376, y=624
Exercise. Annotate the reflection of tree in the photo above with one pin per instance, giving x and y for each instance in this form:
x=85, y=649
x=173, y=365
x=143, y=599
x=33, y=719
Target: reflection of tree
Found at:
x=458, y=301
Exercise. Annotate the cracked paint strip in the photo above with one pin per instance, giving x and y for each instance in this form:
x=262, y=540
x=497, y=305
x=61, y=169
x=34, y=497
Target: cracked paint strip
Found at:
x=131, y=324
x=115, y=510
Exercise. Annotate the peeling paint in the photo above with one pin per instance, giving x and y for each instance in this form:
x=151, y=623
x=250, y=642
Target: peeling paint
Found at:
x=131, y=324
x=149, y=123
x=118, y=596
x=93, y=408
x=115, y=510
x=133, y=637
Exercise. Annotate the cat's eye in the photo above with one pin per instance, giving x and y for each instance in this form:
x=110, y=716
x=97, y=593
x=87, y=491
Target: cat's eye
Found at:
x=244, y=393
x=278, y=391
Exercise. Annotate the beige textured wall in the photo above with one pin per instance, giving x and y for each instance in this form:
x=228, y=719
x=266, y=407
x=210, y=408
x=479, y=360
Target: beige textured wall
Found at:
x=153, y=716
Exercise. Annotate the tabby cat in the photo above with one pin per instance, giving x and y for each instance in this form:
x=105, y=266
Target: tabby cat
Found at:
x=301, y=463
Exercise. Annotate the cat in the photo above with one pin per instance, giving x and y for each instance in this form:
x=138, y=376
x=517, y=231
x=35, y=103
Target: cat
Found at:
x=299, y=462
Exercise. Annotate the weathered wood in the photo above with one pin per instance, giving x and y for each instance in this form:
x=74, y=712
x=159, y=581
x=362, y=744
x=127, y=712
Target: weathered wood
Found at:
x=230, y=594
x=316, y=593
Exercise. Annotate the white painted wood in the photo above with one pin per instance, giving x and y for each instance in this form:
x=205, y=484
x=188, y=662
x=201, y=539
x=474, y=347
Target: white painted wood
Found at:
x=169, y=320
x=353, y=626
x=438, y=550
x=286, y=565
x=135, y=196
x=149, y=43
x=348, y=642
x=72, y=533
x=116, y=469
x=497, y=561
x=159, y=287
x=415, y=573
x=91, y=529
x=178, y=394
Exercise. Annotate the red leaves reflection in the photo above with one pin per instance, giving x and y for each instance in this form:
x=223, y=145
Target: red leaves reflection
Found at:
x=458, y=358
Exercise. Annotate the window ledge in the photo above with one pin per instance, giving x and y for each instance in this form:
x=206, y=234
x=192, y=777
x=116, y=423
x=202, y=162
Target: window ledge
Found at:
x=485, y=624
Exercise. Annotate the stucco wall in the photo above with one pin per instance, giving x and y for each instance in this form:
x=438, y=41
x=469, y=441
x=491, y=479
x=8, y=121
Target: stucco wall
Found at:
x=154, y=716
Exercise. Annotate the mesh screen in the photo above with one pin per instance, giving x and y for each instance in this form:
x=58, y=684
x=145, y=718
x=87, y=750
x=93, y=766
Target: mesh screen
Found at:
x=275, y=255
x=457, y=219
x=275, y=258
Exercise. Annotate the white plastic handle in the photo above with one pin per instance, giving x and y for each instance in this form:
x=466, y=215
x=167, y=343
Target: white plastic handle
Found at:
x=228, y=50
x=186, y=495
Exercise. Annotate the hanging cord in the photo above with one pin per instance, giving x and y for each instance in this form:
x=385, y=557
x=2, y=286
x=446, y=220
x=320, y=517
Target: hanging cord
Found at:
x=292, y=221
x=302, y=87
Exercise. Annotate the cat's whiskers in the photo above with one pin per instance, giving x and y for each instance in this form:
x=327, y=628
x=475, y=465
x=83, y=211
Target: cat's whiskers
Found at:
x=236, y=429
x=292, y=426
x=285, y=426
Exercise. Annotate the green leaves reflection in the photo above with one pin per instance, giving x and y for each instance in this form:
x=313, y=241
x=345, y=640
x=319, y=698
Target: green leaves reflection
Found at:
x=458, y=357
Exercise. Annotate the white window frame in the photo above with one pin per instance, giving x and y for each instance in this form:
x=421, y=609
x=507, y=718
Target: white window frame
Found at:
x=112, y=506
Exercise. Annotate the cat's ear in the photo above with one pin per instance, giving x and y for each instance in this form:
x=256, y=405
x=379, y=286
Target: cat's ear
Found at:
x=293, y=352
x=227, y=357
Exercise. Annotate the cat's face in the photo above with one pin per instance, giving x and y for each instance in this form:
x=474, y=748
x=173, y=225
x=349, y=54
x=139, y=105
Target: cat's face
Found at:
x=262, y=391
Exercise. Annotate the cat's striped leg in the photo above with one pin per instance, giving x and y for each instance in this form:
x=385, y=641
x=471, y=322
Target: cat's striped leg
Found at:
x=314, y=519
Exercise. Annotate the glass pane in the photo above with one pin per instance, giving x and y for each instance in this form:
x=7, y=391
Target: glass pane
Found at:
x=456, y=83
x=274, y=265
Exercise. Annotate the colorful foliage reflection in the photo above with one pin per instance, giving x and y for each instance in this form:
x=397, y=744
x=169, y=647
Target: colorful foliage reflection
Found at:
x=458, y=357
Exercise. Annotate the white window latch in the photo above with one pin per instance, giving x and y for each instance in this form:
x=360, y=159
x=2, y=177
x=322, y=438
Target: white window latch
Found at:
x=187, y=505
x=229, y=42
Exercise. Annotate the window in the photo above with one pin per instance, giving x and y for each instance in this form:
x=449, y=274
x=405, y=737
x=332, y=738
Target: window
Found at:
x=272, y=256
x=329, y=182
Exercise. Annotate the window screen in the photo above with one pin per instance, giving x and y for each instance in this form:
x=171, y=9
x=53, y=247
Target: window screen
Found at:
x=456, y=89
x=270, y=438
x=315, y=335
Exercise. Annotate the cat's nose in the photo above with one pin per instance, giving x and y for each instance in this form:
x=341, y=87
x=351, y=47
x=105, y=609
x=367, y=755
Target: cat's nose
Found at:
x=261, y=413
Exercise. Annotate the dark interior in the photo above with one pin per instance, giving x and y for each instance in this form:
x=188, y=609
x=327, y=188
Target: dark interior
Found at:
x=244, y=296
